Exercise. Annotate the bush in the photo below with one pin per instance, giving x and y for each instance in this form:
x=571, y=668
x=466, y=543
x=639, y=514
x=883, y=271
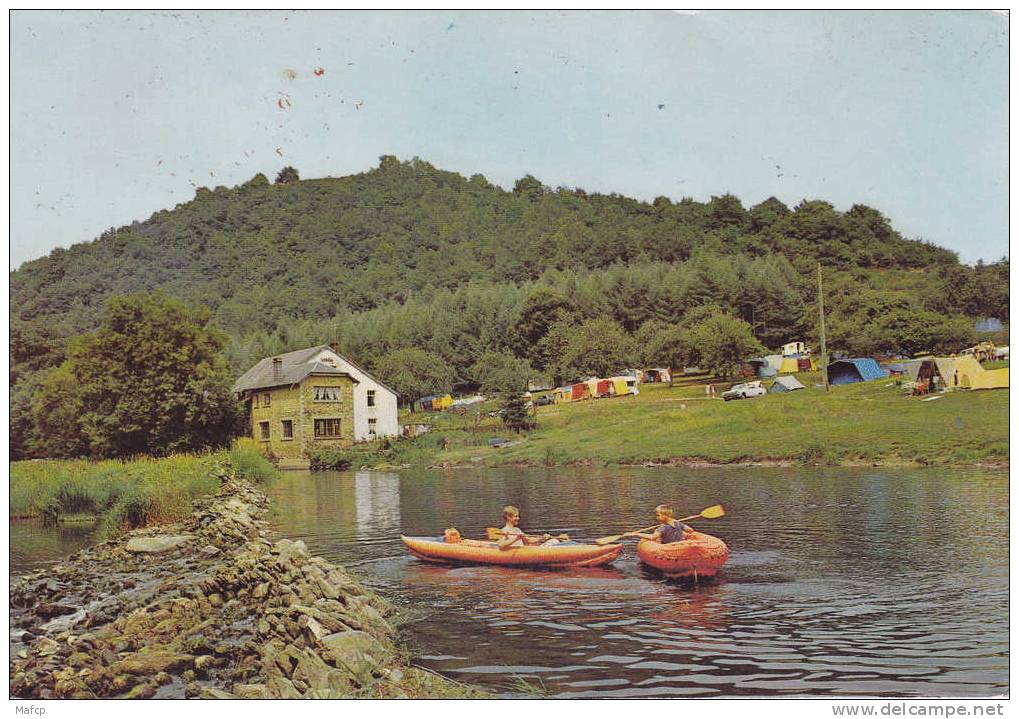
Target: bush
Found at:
x=127, y=494
x=250, y=464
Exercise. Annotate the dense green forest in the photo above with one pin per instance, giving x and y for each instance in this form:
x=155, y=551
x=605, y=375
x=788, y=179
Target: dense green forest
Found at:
x=485, y=279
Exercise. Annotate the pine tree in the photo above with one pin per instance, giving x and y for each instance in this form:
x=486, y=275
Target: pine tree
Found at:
x=514, y=413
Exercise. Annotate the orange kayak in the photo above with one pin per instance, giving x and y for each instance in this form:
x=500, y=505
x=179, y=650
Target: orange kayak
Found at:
x=470, y=551
x=700, y=555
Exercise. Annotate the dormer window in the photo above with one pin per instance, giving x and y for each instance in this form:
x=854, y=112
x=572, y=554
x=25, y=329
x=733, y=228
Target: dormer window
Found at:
x=326, y=394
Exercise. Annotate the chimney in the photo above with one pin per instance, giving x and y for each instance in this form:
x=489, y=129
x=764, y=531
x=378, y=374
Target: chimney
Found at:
x=277, y=369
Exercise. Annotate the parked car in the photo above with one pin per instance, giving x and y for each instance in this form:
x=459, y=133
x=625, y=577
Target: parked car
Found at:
x=543, y=400
x=744, y=390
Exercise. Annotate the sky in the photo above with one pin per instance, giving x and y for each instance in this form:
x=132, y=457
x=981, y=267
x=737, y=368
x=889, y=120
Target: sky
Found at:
x=116, y=115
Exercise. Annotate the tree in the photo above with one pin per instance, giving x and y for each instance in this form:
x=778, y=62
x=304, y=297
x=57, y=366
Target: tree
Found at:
x=597, y=347
x=497, y=372
x=57, y=407
x=721, y=343
x=150, y=380
x=542, y=309
x=514, y=412
x=529, y=187
x=412, y=373
x=766, y=214
x=669, y=347
x=287, y=176
x=726, y=211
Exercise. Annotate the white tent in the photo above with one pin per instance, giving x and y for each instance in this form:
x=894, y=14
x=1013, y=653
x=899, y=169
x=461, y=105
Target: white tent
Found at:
x=786, y=383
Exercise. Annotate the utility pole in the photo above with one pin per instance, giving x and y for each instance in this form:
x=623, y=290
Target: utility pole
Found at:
x=820, y=308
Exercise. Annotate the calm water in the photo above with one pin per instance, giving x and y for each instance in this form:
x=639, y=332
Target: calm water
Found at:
x=841, y=582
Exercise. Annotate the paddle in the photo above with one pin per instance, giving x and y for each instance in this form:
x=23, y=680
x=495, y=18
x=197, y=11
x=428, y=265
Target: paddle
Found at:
x=495, y=535
x=713, y=512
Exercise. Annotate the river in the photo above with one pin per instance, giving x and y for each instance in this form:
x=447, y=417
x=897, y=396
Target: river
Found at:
x=842, y=582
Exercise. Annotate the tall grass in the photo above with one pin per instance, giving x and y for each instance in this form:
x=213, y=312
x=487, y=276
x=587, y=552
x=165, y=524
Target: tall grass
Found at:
x=126, y=494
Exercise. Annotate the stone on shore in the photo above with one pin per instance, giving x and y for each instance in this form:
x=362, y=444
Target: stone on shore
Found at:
x=156, y=545
x=212, y=608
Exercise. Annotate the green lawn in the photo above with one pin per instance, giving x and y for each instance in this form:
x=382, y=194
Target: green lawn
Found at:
x=873, y=422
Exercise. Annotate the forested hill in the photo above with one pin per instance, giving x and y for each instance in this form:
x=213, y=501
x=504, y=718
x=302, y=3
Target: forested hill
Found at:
x=348, y=256
x=315, y=248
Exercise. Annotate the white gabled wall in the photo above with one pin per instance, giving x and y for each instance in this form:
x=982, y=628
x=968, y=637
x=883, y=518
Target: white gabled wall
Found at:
x=385, y=409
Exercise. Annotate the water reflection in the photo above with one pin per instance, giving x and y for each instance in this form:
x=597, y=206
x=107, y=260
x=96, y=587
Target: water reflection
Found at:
x=34, y=544
x=377, y=505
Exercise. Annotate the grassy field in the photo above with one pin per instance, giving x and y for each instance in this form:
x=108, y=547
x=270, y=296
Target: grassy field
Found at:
x=124, y=494
x=866, y=423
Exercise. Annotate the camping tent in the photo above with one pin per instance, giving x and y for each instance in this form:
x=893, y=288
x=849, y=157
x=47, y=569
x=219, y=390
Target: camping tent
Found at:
x=993, y=379
x=619, y=385
x=562, y=394
x=658, y=374
x=442, y=402
x=605, y=388
x=860, y=369
x=579, y=391
x=757, y=364
x=789, y=365
x=785, y=384
x=945, y=369
x=426, y=402
x=911, y=369
x=966, y=373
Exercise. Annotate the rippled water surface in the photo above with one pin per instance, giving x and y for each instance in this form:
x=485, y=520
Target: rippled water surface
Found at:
x=841, y=582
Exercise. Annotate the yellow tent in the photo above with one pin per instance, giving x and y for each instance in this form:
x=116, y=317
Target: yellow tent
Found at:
x=789, y=365
x=619, y=385
x=993, y=379
x=440, y=403
x=562, y=394
x=966, y=373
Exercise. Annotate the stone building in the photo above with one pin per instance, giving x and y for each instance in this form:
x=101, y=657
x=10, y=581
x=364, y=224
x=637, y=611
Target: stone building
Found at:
x=314, y=398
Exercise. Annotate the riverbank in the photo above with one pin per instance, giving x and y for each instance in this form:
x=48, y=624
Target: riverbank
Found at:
x=209, y=607
x=867, y=424
x=125, y=494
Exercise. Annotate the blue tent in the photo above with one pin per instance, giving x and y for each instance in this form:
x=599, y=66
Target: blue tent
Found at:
x=854, y=370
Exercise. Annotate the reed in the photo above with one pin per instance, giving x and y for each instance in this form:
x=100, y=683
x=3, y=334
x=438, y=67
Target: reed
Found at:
x=122, y=494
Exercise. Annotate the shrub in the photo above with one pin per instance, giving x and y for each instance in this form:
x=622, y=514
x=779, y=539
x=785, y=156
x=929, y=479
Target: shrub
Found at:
x=250, y=464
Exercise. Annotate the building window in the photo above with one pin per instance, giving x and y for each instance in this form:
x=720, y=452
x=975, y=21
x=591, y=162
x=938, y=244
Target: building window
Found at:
x=255, y=401
x=371, y=424
x=263, y=431
x=288, y=428
x=265, y=399
x=371, y=398
x=326, y=394
x=327, y=428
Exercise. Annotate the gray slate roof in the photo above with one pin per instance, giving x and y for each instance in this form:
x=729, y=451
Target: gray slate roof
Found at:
x=294, y=368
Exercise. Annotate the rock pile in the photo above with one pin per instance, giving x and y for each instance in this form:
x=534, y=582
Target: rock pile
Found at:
x=210, y=608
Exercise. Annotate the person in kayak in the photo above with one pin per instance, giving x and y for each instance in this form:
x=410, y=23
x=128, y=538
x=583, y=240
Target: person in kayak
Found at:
x=513, y=536
x=668, y=530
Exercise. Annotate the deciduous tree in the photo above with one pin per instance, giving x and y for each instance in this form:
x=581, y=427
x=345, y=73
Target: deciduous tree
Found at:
x=150, y=380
